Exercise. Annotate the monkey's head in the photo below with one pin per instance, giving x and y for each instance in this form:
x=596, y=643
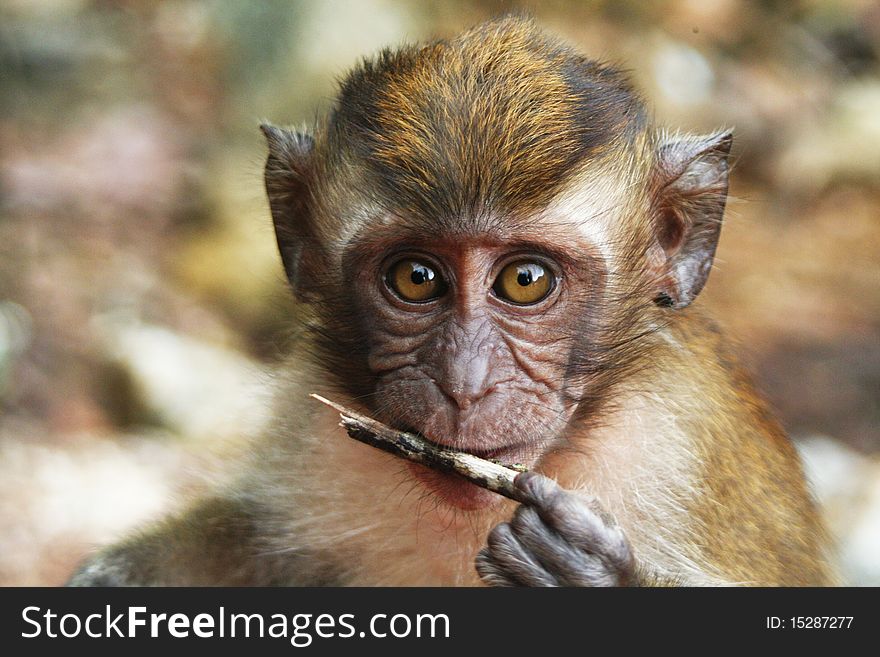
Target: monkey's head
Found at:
x=490, y=232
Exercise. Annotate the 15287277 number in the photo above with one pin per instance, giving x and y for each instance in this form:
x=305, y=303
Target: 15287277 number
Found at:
x=821, y=622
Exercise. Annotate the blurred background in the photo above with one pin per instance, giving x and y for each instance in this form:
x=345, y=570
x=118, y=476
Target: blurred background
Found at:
x=142, y=304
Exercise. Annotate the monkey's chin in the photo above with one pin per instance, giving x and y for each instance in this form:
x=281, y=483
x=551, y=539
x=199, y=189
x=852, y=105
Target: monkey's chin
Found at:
x=453, y=490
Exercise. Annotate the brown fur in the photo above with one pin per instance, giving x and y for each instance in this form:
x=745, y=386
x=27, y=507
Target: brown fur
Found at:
x=495, y=119
x=776, y=536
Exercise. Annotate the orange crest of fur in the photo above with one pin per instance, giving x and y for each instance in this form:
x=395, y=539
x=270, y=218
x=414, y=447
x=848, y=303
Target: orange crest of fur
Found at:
x=496, y=119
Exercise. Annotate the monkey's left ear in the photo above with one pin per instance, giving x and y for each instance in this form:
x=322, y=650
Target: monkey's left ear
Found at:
x=691, y=192
x=288, y=185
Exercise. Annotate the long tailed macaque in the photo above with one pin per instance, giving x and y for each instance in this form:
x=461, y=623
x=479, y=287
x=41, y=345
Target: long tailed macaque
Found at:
x=495, y=247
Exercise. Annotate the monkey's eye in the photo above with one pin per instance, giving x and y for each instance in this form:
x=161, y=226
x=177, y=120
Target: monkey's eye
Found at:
x=523, y=282
x=414, y=281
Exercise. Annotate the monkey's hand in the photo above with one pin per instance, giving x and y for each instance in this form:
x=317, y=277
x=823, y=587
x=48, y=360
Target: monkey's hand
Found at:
x=556, y=538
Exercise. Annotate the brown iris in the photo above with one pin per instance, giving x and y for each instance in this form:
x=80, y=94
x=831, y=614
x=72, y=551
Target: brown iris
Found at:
x=523, y=282
x=414, y=281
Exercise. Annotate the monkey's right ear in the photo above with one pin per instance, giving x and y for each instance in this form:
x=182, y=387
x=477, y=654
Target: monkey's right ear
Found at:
x=288, y=185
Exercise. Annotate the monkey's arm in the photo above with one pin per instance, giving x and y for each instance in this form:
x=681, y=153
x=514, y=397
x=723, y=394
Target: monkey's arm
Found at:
x=214, y=543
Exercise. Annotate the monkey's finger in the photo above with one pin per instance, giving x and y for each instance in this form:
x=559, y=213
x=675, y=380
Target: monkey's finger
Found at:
x=566, y=512
x=515, y=562
x=570, y=566
x=490, y=572
x=577, y=519
x=536, y=487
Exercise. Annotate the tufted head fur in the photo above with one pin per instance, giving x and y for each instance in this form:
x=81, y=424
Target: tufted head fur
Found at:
x=492, y=122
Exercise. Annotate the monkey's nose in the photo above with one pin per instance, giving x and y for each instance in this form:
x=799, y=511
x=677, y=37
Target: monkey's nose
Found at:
x=461, y=398
x=464, y=368
x=464, y=395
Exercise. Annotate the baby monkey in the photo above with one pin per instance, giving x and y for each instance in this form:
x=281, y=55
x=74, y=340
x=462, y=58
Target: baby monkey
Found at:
x=496, y=249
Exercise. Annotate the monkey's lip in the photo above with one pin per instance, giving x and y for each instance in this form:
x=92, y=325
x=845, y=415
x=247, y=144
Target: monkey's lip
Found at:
x=509, y=454
x=454, y=490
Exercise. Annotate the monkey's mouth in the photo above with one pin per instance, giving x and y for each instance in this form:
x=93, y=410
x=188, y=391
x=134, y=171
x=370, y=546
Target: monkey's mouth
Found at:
x=515, y=455
x=453, y=490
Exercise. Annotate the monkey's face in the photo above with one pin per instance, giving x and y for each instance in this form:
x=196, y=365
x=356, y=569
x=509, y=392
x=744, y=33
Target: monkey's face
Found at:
x=469, y=341
x=507, y=218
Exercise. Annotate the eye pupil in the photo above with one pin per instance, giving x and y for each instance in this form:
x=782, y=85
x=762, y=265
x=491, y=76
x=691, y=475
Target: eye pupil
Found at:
x=421, y=275
x=524, y=277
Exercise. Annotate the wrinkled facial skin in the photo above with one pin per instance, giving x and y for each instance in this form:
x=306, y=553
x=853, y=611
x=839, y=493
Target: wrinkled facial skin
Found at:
x=468, y=369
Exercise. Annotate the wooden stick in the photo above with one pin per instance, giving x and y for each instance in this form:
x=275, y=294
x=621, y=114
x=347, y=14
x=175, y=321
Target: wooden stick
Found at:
x=486, y=474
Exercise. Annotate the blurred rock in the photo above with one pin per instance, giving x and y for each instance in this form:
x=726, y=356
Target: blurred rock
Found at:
x=682, y=74
x=198, y=390
x=841, y=144
x=847, y=485
x=117, y=162
x=15, y=337
x=62, y=496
